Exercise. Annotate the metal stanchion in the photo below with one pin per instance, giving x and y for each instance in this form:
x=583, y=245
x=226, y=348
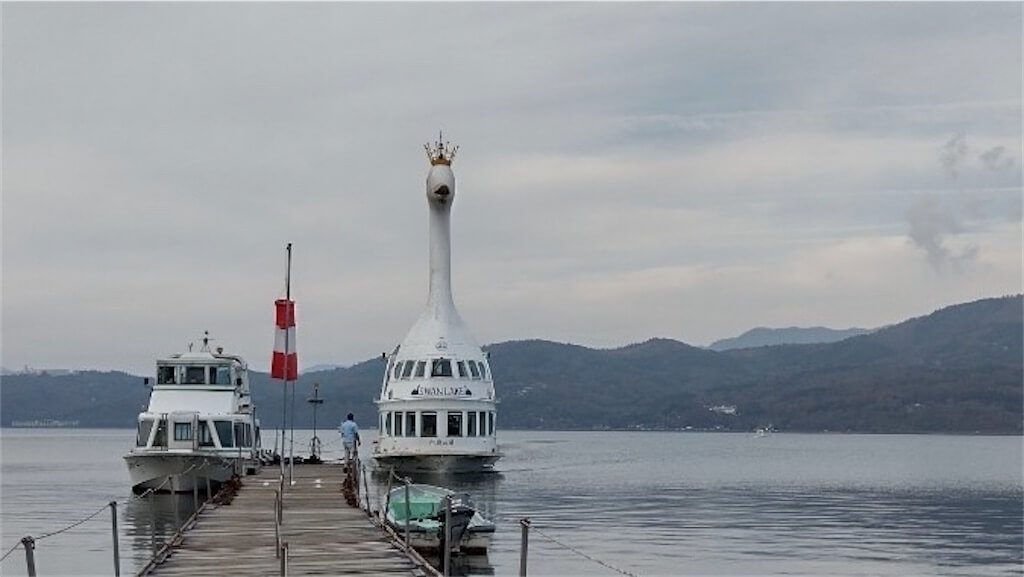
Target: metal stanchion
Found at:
x=30, y=555
x=366, y=489
x=284, y=559
x=524, y=546
x=408, y=513
x=277, y=523
x=174, y=499
x=117, y=548
x=447, y=540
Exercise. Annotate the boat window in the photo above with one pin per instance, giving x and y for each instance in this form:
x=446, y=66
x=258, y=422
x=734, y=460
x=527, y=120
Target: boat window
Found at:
x=429, y=428
x=490, y=423
x=398, y=369
x=145, y=427
x=410, y=424
x=220, y=376
x=471, y=424
x=160, y=439
x=407, y=371
x=420, y=367
x=241, y=435
x=182, y=431
x=454, y=424
x=165, y=376
x=441, y=368
x=224, y=433
x=473, y=371
x=399, y=424
x=483, y=370
x=387, y=424
x=203, y=432
x=194, y=375
x=462, y=370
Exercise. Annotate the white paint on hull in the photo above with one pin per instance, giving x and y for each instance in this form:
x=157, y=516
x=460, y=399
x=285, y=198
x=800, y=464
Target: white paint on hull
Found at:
x=149, y=471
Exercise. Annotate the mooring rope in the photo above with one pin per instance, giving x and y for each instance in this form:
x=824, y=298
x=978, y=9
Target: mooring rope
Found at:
x=151, y=490
x=71, y=526
x=581, y=553
x=9, y=551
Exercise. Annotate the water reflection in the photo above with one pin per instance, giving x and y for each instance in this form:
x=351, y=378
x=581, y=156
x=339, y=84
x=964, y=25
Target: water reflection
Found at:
x=151, y=520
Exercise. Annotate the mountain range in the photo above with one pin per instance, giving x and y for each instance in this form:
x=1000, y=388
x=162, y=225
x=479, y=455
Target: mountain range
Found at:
x=766, y=337
x=957, y=370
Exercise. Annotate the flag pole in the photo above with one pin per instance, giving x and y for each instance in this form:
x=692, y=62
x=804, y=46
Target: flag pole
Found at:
x=287, y=372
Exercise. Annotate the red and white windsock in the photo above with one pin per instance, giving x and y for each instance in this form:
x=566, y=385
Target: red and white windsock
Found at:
x=285, y=364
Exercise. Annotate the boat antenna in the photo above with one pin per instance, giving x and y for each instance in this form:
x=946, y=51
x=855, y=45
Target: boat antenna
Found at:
x=314, y=443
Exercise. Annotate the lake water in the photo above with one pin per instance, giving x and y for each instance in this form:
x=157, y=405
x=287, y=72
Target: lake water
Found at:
x=640, y=503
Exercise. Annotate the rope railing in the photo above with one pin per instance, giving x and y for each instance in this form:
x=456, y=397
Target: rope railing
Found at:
x=11, y=550
x=581, y=553
x=111, y=505
x=71, y=526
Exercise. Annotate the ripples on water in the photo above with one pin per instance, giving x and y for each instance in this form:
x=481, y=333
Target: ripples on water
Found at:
x=646, y=503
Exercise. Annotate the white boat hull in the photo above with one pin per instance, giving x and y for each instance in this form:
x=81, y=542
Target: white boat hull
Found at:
x=436, y=463
x=180, y=472
x=475, y=542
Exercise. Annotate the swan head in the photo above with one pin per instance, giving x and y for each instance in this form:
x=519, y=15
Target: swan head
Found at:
x=440, y=185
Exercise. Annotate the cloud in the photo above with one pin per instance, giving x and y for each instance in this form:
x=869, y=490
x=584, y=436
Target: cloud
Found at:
x=931, y=223
x=953, y=154
x=627, y=170
x=996, y=159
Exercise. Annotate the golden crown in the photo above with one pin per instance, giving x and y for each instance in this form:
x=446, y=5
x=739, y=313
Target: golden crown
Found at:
x=441, y=152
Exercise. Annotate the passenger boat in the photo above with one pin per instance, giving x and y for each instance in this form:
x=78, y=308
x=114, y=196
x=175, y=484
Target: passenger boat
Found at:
x=200, y=425
x=470, y=532
x=437, y=406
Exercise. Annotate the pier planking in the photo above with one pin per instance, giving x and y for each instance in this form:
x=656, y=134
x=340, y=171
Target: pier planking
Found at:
x=325, y=535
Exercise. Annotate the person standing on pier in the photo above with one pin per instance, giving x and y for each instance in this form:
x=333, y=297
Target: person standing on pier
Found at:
x=349, y=437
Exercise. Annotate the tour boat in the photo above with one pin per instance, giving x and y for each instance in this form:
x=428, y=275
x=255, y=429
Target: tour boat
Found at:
x=200, y=427
x=423, y=514
x=437, y=404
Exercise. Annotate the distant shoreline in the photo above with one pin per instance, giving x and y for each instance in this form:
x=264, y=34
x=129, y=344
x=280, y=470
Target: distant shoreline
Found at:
x=67, y=425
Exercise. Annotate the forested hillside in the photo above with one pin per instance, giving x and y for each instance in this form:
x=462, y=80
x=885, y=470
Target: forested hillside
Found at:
x=956, y=370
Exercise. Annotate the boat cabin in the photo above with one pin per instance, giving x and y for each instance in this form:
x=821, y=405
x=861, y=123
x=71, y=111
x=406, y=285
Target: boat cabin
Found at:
x=199, y=402
x=440, y=367
x=424, y=424
x=192, y=431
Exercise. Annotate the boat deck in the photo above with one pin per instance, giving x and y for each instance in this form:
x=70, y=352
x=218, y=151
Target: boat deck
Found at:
x=325, y=535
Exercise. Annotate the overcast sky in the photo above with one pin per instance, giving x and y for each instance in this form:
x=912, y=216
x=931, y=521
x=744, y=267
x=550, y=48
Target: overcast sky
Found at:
x=626, y=171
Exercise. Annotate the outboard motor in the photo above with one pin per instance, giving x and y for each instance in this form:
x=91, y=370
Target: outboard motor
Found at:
x=462, y=511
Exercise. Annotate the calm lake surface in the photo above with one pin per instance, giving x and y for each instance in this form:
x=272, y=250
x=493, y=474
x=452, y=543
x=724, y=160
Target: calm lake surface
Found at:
x=643, y=503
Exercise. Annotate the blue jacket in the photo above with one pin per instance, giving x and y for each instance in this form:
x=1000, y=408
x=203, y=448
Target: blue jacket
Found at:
x=349, y=432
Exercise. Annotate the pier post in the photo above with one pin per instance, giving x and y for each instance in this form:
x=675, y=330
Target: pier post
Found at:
x=277, y=523
x=30, y=555
x=525, y=523
x=284, y=559
x=408, y=513
x=152, y=520
x=174, y=500
x=366, y=489
x=195, y=492
x=208, y=494
x=117, y=547
x=446, y=540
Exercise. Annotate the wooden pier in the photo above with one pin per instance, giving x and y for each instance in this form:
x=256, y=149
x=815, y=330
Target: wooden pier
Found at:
x=324, y=534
